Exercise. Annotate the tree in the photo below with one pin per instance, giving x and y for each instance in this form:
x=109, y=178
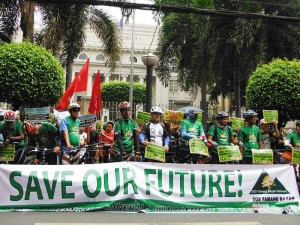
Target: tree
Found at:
x=275, y=86
x=64, y=27
x=30, y=76
x=66, y=24
x=223, y=51
x=11, y=11
x=184, y=37
x=119, y=91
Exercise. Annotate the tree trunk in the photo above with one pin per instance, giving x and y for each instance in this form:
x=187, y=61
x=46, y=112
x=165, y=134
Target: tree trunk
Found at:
x=237, y=91
x=69, y=66
x=203, y=103
x=27, y=19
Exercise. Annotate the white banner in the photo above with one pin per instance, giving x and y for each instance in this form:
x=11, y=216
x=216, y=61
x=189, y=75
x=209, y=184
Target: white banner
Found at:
x=150, y=187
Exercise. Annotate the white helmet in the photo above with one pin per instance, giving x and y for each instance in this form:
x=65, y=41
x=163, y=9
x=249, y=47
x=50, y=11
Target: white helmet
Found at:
x=73, y=105
x=156, y=109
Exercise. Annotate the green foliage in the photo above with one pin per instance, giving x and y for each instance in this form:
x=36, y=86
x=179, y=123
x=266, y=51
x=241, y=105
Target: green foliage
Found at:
x=275, y=86
x=29, y=76
x=119, y=91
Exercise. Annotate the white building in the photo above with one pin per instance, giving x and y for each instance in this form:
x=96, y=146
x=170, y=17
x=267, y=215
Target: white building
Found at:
x=167, y=97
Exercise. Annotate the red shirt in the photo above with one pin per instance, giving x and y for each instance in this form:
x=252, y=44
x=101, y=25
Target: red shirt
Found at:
x=105, y=139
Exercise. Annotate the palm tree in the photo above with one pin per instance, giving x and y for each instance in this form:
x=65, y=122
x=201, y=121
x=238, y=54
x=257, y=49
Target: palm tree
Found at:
x=182, y=37
x=66, y=23
x=64, y=28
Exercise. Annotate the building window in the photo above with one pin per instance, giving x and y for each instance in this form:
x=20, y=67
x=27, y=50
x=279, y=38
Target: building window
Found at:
x=134, y=59
x=100, y=58
x=173, y=65
x=173, y=85
x=83, y=56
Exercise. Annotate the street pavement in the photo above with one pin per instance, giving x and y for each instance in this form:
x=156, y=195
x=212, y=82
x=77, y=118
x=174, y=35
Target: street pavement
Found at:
x=109, y=218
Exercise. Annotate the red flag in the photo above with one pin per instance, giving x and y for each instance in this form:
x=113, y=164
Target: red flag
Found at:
x=96, y=101
x=78, y=84
x=82, y=78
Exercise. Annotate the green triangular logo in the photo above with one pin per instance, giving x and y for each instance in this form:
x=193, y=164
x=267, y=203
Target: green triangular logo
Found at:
x=267, y=185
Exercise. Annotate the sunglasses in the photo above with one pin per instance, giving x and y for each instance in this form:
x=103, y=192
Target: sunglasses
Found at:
x=76, y=110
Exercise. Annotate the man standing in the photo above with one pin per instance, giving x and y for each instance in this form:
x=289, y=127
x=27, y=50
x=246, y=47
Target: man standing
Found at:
x=69, y=128
x=154, y=131
x=249, y=136
x=220, y=134
x=126, y=132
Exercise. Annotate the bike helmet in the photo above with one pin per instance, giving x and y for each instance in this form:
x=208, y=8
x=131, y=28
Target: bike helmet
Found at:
x=30, y=128
x=9, y=116
x=73, y=106
x=124, y=105
x=249, y=114
x=222, y=115
x=192, y=114
x=156, y=109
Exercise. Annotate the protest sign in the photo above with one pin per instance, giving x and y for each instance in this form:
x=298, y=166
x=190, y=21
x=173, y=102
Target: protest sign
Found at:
x=87, y=120
x=37, y=115
x=236, y=123
x=270, y=115
x=198, y=147
x=150, y=187
x=7, y=152
x=262, y=156
x=173, y=116
x=142, y=117
x=155, y=152
x=229, y=153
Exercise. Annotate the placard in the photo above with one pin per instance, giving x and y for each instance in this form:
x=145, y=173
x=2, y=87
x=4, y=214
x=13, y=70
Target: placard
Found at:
x=143, y=117
x=236, y=123
x=173, y=116
x=262, y=156
x=87, y=120
x=296, y=156
x=229, y=153
x=155, y=152
x=197, y=146
x=7, y=152
x=37, y=115
x=270, y=115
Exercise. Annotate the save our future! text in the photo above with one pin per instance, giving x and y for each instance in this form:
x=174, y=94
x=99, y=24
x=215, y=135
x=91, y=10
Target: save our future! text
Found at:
x=95, y=183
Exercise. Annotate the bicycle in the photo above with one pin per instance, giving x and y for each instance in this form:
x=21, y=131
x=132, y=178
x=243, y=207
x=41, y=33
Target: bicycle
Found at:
x=33, y=151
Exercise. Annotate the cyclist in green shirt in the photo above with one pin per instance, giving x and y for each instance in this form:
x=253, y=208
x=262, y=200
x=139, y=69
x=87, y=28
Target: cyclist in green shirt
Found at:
x=220, y=134
x=126, y=132
x=44, y=135
x=190, y=128
x=11, y=131
x=291, y=141
x=249, y=136
x=69, y=128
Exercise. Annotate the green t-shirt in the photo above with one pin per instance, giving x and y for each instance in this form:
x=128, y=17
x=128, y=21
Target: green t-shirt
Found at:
x=192, y=128
x=47, y=137
x=294, y=137
x=6, y=130
x=250, y=136
x=125, y=128
x=222, y=136
x=73, y=130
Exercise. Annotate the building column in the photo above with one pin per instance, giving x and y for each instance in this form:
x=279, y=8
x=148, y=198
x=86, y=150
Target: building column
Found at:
x=142, y=79
x=106, y=77
x=124, y=77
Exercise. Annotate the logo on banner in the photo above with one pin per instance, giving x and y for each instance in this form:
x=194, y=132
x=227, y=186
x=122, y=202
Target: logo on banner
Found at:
x=267, y=185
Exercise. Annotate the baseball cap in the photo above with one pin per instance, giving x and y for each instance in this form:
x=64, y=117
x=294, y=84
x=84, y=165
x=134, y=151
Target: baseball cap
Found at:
x=262, y=121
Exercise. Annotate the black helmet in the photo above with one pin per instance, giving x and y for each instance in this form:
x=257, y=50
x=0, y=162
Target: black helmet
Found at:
x=249, y=114
x=222, y=115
